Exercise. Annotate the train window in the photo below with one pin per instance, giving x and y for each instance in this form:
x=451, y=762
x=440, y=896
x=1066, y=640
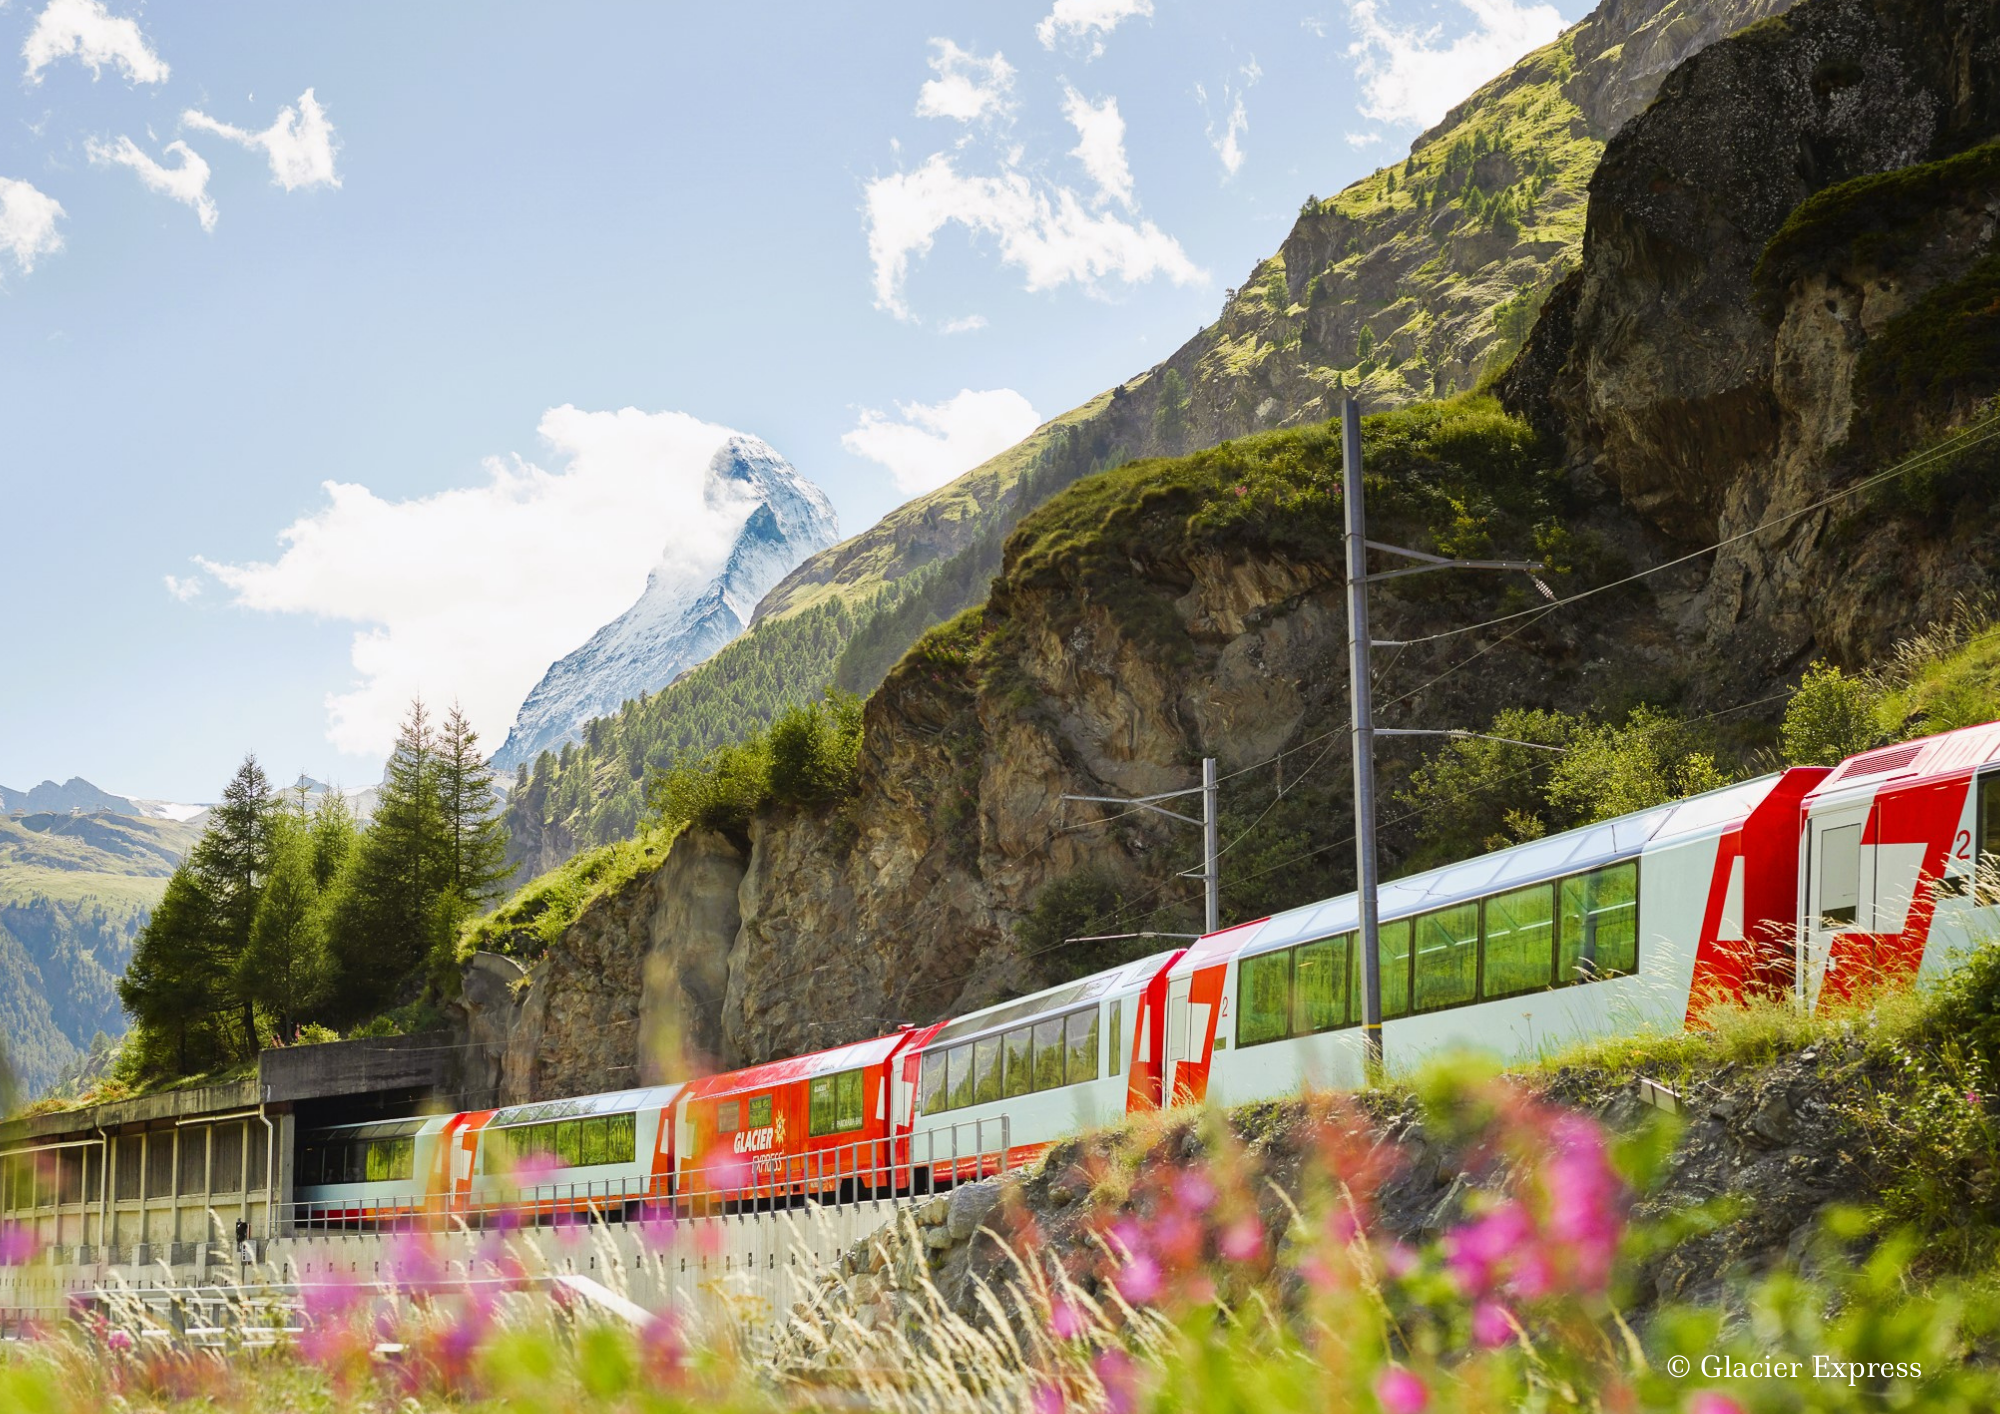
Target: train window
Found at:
x=1600, y=923
x=1020, y=1047
x=621, y=1138
x=1839, y=873
x=1447, y=957
x=569, y=1143
x=1080, y=1036
x=1049, y=1054
x=986, y=1070
x=1319, y=986
x=1986, y=880
x=1520, y=942
x=590, y=1146
x=848, y=1099
x=1393, y=946
x=760, y=1111
x=835, y=1103
x=386, y=1160
x=933, y=1095
x=1264, y=997
x=1117, y=1047
x=728, y=1116
x=961, y=1077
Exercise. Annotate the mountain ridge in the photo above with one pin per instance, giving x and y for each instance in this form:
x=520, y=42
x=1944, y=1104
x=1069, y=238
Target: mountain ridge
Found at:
x=685, y=613
x=1492, y=238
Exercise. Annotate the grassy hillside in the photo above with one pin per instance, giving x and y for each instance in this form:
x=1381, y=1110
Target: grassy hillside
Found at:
x=1418, y=281
x=74, y=892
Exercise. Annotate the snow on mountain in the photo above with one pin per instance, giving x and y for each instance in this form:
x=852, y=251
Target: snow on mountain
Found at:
x=685, y=615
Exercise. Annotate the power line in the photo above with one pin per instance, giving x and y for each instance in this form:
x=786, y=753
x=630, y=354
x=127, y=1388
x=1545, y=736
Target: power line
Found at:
x=1961, y=441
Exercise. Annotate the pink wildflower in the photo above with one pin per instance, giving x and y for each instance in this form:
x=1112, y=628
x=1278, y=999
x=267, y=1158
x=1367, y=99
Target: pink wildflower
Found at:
x=120, y=1341
x=1193, y=1191
x=1709, y=1402
x=17, y=1247
x=1120, y=1378
x=1047, y=1399
x=1972, y=1098
x=1490, y=1326
x=1066, y=1319
x=661, y=1346
x=1400, y=1392
x=1243, y=1240
x=1140, y=1281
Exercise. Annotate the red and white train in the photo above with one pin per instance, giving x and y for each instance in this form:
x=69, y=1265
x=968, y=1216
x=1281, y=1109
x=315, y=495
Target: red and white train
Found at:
x=1815, y=881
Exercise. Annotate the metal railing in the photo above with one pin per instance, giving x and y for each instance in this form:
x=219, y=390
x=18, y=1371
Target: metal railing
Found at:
x=724, y=1183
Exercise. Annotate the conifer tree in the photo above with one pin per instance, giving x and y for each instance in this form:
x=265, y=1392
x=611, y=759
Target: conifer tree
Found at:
x=477, y=847
x=170, y=987
x=282, y=970
x=233, y=858
x=382, y=919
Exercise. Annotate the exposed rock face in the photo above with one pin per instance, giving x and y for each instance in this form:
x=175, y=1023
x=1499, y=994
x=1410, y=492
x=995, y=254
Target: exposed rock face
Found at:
x=1713, y=404
x=1695, y=399
x=634, y=994
x=688, y=611
x=1418, y=280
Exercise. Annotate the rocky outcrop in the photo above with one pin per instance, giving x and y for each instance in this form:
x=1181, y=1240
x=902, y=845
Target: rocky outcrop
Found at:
x=1716, y=403
x=634, y=993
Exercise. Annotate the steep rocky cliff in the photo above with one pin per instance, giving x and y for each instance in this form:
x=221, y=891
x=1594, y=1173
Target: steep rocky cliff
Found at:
x=1753, y=323
x=1730, y=353
x=1419, y=280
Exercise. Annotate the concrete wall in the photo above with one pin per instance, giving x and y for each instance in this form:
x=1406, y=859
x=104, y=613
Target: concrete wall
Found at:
x=749, y=1268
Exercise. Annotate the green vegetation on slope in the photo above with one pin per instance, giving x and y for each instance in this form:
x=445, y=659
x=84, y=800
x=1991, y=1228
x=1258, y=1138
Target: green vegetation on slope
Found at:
x=1417, y=281
x=843, y=635
x=74, y=892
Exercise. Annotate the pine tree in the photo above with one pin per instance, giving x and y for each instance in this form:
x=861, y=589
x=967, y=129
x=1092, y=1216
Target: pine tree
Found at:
x=282, y=972
x=170, y=987
x=471, y=812
x=381, y=921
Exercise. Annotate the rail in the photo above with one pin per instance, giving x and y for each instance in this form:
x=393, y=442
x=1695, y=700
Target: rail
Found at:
x=722, y=1183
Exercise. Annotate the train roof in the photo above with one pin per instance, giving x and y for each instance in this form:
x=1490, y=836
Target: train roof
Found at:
x=1946, y=754
x=577, y=1106
x=1538, y=861
x=1053, y=999
x=381, y=1128
x=795, y=1068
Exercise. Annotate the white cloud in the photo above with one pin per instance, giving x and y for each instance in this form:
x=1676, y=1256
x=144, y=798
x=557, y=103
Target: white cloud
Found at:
x=1361, y=140
x=1100, y=145
x=183, y=589
x=299, y=145
x=968, y=325
x=1229, y=145
x=1044, y=230
x=1313, y=26
x=187, y=183
x=85, y=31
x=1412, y=75
x=967, y=87
x=1079, y=19
x=932, y=443
x=28, y=223
x=472, y=592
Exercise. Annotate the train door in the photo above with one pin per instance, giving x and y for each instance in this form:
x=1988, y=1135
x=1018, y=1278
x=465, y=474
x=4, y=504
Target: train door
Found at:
x=1840, y=900
x=1178, y=1032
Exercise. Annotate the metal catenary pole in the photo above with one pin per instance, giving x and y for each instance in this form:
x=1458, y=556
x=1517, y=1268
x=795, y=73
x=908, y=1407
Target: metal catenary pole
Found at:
x=1368, y=932
x=1368, y=925
x=1210, y=872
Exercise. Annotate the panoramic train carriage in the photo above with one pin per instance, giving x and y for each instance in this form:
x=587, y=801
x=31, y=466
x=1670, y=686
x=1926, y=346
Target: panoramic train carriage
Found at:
x=1899, y=862
x=1021, y=1075
x=834, y=1124
x=609, y=1154
x=378, y=1174
x=1632, y=922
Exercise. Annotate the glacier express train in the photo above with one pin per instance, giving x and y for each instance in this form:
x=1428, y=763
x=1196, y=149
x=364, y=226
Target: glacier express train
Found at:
x=1816, y=881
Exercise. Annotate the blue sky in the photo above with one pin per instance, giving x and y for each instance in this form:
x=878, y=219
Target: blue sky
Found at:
x=434, y=253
